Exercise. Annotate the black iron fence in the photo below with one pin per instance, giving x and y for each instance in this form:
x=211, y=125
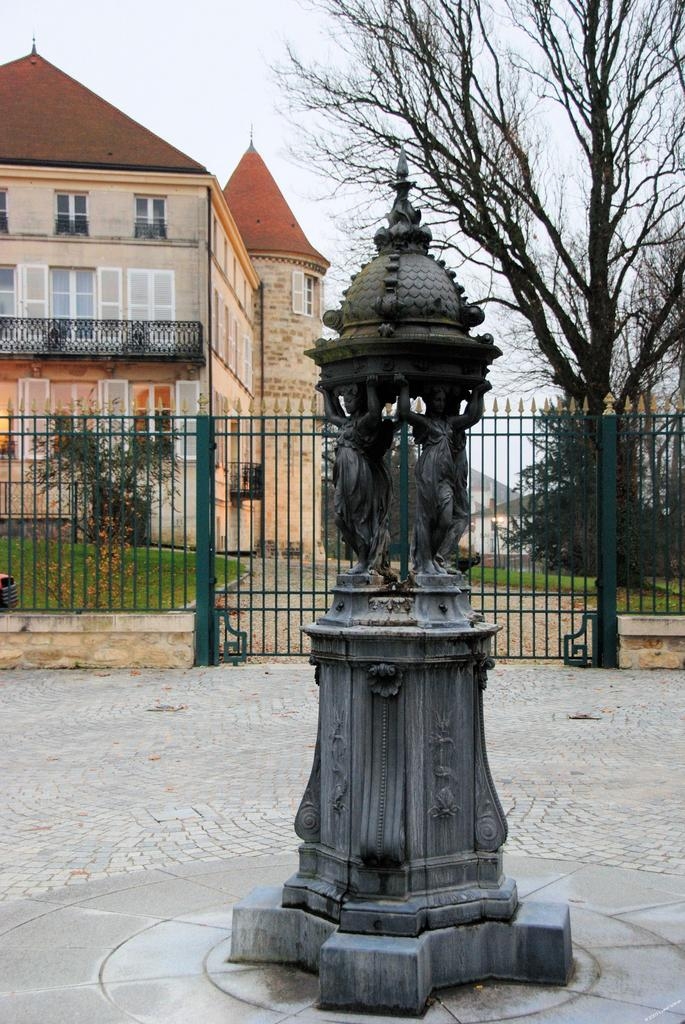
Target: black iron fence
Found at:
x=575, y=519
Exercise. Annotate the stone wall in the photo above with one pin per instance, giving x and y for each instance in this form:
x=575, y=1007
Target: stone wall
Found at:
x=651, y=641
x=97, y=640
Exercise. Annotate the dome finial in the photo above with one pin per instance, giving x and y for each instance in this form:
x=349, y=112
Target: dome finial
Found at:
x=404, y=229
x=251, y=148
x=34, y=51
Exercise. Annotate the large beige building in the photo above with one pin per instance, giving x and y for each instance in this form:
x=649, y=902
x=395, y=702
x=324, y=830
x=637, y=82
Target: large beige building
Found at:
x=128, y=282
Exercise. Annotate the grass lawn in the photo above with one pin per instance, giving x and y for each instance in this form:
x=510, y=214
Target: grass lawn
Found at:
x=57, y=574
x=655, y=597
x=507, y=579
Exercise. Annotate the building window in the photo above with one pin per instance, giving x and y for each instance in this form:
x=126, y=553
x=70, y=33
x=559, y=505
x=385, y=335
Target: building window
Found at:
x=3, y=213
x=7, y=304
x=303, y=293
x=72, y=294
x=7, y=404
x=152, y=407
x=150, y=217
x=65, y=396
x=72, y=215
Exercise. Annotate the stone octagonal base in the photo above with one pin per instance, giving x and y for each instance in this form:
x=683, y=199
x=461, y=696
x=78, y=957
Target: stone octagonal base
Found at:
x=396, y=974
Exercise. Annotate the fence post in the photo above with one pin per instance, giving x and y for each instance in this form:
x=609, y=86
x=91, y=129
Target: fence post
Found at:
x=607, y=539
x=204, y=540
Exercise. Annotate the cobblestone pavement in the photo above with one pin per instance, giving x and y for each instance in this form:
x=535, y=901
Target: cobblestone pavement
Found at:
x=113, y=771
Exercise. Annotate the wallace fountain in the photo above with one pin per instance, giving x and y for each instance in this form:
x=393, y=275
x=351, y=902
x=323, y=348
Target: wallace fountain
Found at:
x=400, y=888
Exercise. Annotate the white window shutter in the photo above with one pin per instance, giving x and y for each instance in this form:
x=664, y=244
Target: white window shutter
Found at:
x=34, y=395
x=33, y=283
x=226, y=335
x=163, y=294
x=109, y=293
x=139, y=305
x=187, y=396
x=233, y=346
x=113, y=395
x=247, y=362
x=298, y=291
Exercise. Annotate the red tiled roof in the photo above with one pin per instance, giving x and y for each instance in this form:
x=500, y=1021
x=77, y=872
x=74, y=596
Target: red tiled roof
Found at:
x=49, y=118
x=264, y=219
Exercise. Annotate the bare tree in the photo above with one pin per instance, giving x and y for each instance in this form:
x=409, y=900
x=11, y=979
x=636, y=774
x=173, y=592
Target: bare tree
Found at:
x=548, y=140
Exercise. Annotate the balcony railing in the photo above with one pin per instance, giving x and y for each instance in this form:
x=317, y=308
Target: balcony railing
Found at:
x=246, y=480
x=150, y=229
x=139, y=339
x=65, y=225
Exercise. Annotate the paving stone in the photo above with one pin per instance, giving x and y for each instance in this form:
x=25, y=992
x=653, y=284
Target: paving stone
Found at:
x=30, y=970
x=651, y=976
x=20, y=911
x=178, y=1000
x=170, y=950
x=170, y=898
x=82, y=1005
x=667, y=921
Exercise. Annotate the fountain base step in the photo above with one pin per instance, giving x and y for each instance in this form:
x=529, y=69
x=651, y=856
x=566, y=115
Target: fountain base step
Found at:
x=395, y=974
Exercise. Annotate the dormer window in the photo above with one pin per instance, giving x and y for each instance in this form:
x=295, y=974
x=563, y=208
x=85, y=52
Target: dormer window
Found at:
x=72, y=214
x=4, y=228
x=150, y=217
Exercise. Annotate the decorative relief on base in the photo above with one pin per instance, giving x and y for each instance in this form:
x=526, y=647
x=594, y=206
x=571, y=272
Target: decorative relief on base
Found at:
x=308, y=817
x=490, y=820
x=391, y=604
x=384, y=679
x=382, y=824
x=442, y=746
x=338, y=752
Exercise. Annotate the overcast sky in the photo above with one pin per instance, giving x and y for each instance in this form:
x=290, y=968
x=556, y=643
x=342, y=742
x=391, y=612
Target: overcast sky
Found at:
x=197, y=74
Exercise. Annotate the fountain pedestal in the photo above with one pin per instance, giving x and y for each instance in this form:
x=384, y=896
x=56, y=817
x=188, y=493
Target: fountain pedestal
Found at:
x=400, y=887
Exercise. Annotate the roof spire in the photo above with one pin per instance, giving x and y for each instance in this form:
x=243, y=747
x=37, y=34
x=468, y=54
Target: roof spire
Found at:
x=34, y=51
x=250, y=148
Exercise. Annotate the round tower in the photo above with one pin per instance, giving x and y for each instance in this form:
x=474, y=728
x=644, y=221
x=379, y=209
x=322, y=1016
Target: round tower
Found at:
x=289, y=306
x=287, y=318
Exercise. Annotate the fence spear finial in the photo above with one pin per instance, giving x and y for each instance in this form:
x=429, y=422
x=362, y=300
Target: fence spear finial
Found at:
x=609, y=402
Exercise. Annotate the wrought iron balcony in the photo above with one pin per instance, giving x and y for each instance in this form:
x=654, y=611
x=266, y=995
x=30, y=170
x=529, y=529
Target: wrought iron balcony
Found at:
x=150, y=229
x=246, y=480
x=65, y=225
x=138, y=339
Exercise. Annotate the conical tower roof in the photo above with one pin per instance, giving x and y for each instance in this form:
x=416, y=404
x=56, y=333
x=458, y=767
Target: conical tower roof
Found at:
x=264, y=219
x=50, y=118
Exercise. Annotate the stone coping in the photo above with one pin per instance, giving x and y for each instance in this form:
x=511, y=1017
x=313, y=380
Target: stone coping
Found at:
x=651, y=625
x=97, y=622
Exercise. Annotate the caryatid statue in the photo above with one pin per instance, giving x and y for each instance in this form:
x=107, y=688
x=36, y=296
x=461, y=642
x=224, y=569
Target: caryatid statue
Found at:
x=363, y=488
x=404, y=332
x=442, y=473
